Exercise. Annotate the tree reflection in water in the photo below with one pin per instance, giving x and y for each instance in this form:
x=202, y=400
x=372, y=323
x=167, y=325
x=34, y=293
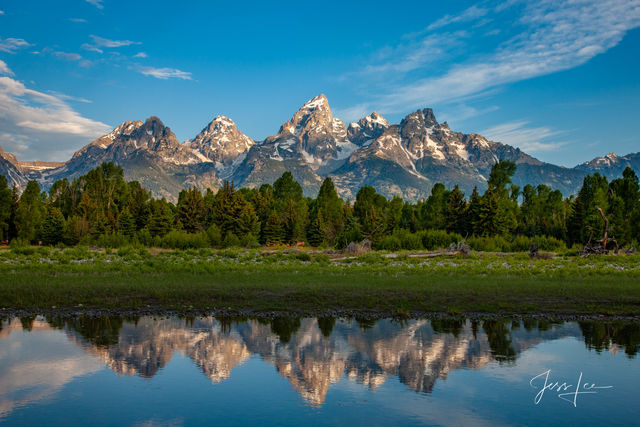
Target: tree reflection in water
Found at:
x=314, y=353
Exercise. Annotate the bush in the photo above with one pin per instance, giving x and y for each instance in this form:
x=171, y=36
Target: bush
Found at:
x=388, y=243
x=112, y=240
x=322, y=259
x=182, y=240
x=303, y=256
x=489, y=244
x=231, y=241
x=215, y=236
x=438, y=239
x=409, y=241
x=249, y=241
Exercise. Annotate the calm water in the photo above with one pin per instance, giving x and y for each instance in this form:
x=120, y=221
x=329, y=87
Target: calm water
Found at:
x=148, y=371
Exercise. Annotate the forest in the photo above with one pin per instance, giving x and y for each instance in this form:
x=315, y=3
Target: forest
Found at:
x=102, y=209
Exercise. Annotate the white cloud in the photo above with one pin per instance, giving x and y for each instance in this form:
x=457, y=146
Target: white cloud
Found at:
x=165, y=73
x=53, y=129
x=96, y=3
x=469, y=14
x=528, y=139
x=547, y=36
x=10, y=45
x=4, y=69
x=90, y=47
x=140, y=55
x=68, y=56
x=1, y=12
x=78, y=20
x=102, y=42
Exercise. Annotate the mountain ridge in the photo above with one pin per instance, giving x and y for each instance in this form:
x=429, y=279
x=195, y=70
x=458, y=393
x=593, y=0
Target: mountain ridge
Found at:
x=404, y=159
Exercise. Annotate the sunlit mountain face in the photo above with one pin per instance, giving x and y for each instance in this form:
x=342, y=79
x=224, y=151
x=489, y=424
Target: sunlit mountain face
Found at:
x=311, y=353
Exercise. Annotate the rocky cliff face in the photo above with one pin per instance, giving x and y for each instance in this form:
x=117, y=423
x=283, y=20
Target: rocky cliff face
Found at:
x=404, y=159
x=148, y=152
x=221, y=143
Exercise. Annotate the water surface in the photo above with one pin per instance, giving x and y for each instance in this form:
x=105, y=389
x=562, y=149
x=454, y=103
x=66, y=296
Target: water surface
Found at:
x=177, y=371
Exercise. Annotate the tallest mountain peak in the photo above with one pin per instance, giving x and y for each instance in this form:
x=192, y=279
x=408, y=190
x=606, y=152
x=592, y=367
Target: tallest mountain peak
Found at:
x=316, y=102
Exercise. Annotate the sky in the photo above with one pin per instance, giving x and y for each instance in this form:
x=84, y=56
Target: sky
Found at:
x=558, y=79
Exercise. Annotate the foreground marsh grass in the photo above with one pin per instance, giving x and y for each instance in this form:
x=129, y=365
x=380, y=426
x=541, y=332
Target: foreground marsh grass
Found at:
x=313, y=283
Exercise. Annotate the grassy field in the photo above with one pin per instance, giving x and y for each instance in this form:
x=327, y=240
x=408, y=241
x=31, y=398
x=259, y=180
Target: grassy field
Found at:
x=298, y=282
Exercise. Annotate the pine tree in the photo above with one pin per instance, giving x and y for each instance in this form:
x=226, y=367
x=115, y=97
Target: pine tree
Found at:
x=315, y=237
x=329, y=209
x=457, y=212
x=161, y=218
x=53, y=227
x=126, y=223
x=273, y=231
x=30, y=212
x=6, y=201
x=190, y=210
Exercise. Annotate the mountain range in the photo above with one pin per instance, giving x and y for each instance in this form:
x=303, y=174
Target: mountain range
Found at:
x=404, y=159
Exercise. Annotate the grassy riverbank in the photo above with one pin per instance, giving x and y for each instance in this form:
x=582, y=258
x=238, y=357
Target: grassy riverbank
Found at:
x=258, y=281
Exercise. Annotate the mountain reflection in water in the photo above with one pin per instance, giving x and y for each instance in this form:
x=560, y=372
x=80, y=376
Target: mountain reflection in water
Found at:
x=314, y=353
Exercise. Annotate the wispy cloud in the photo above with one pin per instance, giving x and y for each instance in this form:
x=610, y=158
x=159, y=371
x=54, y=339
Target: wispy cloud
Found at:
x=544, y=37
x=78, y=20
x=51, y=128
x=469, y=14
x=91, y=48
x=69, y=56
x=164, y=73
x=96, y=3
x=102, y=42
x=528, y=139
x=140, y=55
x=4, y=69
x=1, y=12
x=11, y=45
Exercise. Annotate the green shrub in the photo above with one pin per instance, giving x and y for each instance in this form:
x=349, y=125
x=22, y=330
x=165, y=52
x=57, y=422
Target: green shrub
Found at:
x=230, y=241
x=409, y=241
x=182, y=240
x=249, y=241
x=215, y=236
x=303, y=256
x=388, y=243
x=322, y=258
x=112, y=240
x=438, y=239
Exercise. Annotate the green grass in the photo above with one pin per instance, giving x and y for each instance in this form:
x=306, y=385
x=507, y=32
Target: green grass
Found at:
x=240, y=280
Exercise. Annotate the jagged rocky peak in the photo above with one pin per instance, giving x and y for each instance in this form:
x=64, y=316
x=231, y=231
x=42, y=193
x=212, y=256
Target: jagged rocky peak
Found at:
x=220, y=141
x=312, y=133
x=367, y=128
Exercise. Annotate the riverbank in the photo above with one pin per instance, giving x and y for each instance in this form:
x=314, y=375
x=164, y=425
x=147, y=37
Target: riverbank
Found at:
x=255, y=282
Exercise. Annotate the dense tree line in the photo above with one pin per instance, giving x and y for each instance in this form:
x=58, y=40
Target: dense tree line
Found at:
x=102, y=208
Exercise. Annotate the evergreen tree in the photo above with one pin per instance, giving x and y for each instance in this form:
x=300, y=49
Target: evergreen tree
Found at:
x=434, y=209
x=53, y=228
x=315, y=236
x=126, y=223
x=6, y=202
x=161, y=218
x=473, y=212
x=329, y=210
x=30, y=212
x=273, y=231
x=624, y=206
x=190, y=210
x=456, y=215
x=77, y=228
x=286, y=188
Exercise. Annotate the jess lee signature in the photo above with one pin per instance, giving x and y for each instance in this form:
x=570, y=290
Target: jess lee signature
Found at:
x=565, y=391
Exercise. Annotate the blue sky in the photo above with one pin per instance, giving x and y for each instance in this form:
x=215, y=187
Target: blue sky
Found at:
x=558, y=79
